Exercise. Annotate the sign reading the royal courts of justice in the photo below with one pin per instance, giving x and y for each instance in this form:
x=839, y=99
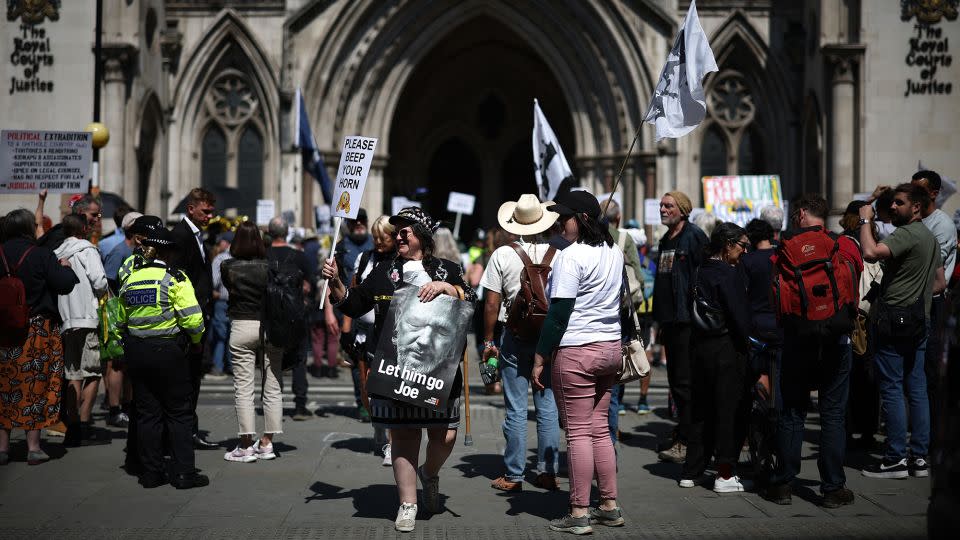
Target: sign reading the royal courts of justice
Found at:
x=420, y=347
x=740, y=198
x=57, y=161
x=352, y=175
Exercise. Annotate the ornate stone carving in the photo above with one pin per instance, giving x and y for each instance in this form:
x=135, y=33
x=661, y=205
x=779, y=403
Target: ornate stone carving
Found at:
x=118, y=61
x=231, y=100
x=730, y=101
x=171, y=44
x=35, y=11
x=929, y=11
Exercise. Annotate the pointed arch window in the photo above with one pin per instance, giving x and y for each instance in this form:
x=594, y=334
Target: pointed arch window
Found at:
x=233, y=152
x=733, y=142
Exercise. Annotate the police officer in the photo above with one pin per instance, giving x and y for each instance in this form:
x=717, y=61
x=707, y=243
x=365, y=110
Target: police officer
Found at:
x=161, y=314
x=141, y=228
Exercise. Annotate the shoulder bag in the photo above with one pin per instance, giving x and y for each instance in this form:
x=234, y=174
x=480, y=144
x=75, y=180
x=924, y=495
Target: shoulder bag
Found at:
x=636, y=364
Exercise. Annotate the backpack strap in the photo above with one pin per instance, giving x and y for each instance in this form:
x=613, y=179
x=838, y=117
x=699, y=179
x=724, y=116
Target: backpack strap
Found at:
x=548, y=258
x=622, y=239
x=523, y=254
x=16, y=267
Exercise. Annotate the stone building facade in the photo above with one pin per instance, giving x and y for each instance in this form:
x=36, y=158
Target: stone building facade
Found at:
x=834, y=96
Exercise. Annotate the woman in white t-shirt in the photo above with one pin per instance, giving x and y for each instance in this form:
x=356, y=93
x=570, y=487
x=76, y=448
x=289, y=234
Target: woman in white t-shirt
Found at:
x=581, y=340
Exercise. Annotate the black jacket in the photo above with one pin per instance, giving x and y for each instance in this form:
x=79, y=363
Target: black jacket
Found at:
x=376, y=291
x=687, y=258
x=246, y=281
x=193, y=264
x=722, y=286
x=42, y=276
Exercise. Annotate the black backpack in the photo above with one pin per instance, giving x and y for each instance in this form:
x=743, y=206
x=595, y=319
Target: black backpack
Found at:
x=284, y=320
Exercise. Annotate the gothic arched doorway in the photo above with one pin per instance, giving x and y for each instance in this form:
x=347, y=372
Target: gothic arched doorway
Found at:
x=464, y=121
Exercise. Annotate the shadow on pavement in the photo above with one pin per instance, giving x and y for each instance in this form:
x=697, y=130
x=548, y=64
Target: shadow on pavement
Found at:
x=539, y=503
x=473, y=465
x=361, y=445
x=377, y=501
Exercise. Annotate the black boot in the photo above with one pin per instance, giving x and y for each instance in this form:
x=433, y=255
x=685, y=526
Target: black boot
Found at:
x=189, y=480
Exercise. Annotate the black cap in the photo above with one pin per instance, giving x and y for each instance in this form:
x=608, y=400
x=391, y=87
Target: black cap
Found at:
x=144, y=224
x=576, y=202
x=159, y=238
x=413, y=214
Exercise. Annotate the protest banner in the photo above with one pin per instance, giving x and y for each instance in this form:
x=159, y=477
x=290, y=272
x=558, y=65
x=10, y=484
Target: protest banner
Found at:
x=399, y=203
x=266, y=209
x=740, y=198
x=651, y=211
x=420, y=347
x=459, y=204
x=355, y=160
x=57, y=161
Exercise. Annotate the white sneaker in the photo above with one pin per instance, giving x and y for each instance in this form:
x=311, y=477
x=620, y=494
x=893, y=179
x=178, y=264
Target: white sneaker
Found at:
x=387, y=458
x=263, y=452
x=406, y=517
x=729, y=485
x=241, y=455
x=687, y=483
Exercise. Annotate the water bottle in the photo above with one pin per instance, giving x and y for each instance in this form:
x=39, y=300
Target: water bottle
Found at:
x=488, y=370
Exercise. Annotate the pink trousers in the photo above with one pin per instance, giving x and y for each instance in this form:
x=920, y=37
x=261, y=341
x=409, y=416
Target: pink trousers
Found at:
x=324, y=345
x=582, y=378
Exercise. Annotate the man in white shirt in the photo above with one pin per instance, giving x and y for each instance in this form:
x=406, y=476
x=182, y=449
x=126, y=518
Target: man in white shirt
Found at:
x=527, y=218
x=945, y=231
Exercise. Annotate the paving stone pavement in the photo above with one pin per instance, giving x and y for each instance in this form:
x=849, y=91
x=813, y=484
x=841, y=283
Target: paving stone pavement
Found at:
x=327, y=483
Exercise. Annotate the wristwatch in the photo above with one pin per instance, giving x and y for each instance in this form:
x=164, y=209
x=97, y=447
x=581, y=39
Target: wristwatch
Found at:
x=863, y=222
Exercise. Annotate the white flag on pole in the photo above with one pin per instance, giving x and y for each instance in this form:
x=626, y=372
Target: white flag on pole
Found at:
x=678, y=104
x=551, y=167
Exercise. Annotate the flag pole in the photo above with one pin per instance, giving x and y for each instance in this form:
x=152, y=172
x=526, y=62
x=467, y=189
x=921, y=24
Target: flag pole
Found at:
x=333, y=246
x=623, y=166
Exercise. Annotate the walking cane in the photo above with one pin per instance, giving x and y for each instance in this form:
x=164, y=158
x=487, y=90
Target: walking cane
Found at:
x=467, y=438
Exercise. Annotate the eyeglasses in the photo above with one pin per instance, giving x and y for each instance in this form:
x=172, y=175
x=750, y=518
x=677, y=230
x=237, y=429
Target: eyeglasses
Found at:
x=743, y=245
x=404, y=233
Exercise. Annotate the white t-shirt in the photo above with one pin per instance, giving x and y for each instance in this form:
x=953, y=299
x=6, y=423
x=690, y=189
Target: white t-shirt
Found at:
x=593, y=275
x=502, y=274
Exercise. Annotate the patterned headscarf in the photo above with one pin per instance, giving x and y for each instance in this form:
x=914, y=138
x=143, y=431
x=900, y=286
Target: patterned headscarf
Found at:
x=412, y=214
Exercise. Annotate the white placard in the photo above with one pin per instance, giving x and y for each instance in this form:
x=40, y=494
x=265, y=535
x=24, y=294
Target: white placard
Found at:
x=57, y=161
x=266, y=209
x=651, y=211
x=617, y=198
x=352, y=174
x=461, y=203
x=399, y=203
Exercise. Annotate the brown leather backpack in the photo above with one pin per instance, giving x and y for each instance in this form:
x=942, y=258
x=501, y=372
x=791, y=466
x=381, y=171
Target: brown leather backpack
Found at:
x=529, y=308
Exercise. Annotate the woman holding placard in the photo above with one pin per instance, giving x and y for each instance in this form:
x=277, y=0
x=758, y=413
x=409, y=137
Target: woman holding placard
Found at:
x=415, y=265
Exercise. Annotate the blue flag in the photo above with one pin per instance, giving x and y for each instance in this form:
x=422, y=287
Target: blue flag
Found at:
x=312, y=160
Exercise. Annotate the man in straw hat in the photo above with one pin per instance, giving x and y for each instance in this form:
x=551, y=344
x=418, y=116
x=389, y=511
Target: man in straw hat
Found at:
x=681, y=251
x=529, y=219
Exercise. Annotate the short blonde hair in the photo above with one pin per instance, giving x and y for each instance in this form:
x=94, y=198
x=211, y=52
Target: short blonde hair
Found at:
x=382, y=226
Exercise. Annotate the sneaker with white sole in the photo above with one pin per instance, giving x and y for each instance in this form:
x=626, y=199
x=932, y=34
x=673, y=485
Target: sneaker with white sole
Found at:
x=264, y=452
x=918, y=467
x=886, y=469
x=406, y=517
x=431, y=491
x=570, y=524
x=687, y=482
x=727, y=485
x=387, y=457
x=241, y=455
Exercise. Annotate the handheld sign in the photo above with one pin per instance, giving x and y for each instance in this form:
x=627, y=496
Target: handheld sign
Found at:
x=461, y=203
x=352, y=175
x=651, y=211
x=57, y=161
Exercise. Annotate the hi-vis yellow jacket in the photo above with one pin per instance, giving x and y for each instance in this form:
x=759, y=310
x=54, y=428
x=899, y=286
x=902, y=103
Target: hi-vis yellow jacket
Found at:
x=159, y=301
x=128, y=265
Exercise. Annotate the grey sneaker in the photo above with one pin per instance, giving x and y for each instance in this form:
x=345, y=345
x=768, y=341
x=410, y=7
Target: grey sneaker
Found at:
x=570, y=524
x=610, y=518
x=431, y=491
x=37, y=457
x=406, y=517
x=677, y=453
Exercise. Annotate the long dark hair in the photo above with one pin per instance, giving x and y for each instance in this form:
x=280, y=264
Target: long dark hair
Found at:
x=723, y=235
x=247, y=242
x=592, y=232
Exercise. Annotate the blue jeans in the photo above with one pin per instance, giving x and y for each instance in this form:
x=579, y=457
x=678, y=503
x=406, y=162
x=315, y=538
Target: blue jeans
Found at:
x=826, y=367
x=900, y=367
x=613, y=421
x=220, y=352
x=516, y=364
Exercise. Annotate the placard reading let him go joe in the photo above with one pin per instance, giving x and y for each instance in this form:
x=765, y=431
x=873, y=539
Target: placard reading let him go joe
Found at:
x=352, y=175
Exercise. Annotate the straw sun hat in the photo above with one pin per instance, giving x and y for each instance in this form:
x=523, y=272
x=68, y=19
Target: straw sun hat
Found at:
x=526, y=216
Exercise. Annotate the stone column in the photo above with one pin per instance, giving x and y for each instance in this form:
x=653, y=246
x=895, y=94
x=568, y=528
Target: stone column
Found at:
x=843, y=62
x=117, y=59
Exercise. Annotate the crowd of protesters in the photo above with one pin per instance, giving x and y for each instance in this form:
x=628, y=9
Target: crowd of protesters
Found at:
x=707, y=296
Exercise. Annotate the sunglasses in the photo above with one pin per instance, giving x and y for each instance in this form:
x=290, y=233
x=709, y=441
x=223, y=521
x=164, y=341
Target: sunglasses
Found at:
x=743, y=245
x=404, y=233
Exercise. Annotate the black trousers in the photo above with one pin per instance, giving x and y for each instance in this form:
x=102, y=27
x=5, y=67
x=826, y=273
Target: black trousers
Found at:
x=717, y=390
x=932, y=363
x=675, y=338
x=163, y=394
x=195, y=369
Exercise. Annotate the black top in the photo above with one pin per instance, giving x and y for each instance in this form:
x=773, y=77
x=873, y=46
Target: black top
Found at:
x=246, y=281
x=722, y=286
x=43, y=277
x=663, y=282
x=757, y=269
x=289, y=255
x=192, y=262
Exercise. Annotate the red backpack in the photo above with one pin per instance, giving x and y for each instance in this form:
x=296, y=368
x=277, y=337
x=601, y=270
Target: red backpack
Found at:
x=529, y=308
x=815, y=289
x=14, y=310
